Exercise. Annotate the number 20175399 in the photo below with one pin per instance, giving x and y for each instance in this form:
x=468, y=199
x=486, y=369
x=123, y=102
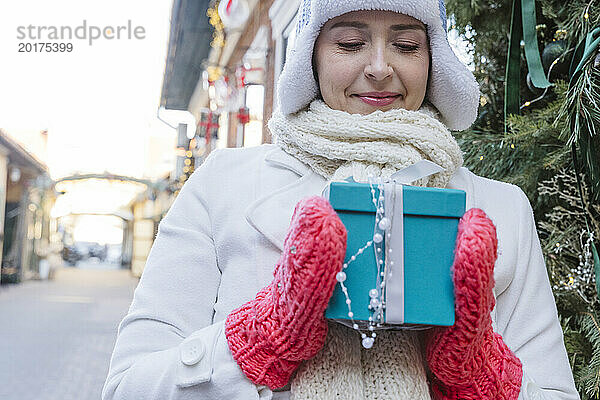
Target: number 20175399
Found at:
x=43, y=47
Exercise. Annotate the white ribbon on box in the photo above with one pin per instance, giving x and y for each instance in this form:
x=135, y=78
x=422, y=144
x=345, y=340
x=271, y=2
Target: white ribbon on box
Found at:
x=393, y=196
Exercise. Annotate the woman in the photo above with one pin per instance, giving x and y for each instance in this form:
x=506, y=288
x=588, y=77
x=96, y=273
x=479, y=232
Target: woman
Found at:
x=370, y=87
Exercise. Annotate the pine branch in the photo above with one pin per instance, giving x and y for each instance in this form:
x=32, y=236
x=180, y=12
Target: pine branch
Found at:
x=590, y=374
x=577, y=346
x=563, y=232
x=536, y=156
x=581, y=111
x=571, y=17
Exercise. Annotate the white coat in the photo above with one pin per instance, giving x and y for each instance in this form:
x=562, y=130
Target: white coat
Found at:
x=216, y=249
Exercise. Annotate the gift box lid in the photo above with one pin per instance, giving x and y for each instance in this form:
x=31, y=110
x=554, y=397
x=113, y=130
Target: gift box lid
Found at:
x=435, y=202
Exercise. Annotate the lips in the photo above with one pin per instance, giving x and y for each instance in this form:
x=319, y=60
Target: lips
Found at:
x=378, y=99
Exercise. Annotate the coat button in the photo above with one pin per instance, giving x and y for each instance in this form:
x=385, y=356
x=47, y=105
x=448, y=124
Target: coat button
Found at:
x=533, y=391
x=192, y=351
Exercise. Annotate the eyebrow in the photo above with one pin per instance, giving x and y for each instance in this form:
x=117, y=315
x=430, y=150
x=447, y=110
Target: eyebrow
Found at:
x=405, y=27
x=361, y=25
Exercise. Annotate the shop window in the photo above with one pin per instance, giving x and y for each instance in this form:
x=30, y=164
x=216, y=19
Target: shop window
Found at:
x=253, y=132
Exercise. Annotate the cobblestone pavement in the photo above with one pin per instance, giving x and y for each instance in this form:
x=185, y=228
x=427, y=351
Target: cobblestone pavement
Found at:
x=56, y=336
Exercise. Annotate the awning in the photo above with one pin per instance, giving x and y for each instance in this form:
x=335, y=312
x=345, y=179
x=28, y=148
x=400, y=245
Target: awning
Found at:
x=21, y=157
x=189, y=46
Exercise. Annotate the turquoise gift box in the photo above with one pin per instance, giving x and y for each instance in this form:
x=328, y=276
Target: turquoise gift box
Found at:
x=429, y=223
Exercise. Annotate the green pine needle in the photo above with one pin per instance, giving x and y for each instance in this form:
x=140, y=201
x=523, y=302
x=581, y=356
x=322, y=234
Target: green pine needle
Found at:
x=581, y=111
x=590, y=374
x=536, y=155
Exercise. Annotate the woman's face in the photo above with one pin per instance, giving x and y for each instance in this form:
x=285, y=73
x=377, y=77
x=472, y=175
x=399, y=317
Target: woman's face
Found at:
x=372, y=60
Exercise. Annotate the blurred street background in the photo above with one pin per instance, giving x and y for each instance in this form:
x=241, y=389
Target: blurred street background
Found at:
x=106, y=109
x=58, y=335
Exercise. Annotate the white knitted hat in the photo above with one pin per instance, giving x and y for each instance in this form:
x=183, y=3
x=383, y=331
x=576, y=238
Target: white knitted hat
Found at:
x=452, y=87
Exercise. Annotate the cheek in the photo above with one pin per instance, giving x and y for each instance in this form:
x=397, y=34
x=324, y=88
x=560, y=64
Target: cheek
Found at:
x=416, y=75
x=336, y=72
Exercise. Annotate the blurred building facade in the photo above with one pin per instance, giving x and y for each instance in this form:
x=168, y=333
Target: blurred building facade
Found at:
x=231, y=97
x=234, y=93
x=146, y=210
x=27, y=231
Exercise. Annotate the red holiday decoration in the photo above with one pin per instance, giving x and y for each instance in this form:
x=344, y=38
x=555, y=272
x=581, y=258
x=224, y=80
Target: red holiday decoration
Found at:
x=208, y=126
x=244, y=115
x=233, y=13
x=242, y=73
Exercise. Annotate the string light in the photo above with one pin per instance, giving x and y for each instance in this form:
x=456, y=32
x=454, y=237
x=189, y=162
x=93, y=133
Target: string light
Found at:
x=560, y=34
x=219, y=33
x=214, y=73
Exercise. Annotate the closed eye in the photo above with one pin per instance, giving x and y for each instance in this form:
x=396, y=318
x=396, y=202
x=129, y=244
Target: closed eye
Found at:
x=352, y=46
x=407, y=47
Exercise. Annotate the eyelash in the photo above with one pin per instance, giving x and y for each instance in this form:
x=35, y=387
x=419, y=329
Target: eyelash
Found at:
x=351, y=46
x=355, y=46
x=409, y=48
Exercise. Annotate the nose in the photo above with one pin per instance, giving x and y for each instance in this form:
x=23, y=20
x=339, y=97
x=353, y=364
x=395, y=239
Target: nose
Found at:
x=378, y=68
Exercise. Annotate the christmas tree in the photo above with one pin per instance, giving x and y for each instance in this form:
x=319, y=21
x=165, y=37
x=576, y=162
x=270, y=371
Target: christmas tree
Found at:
x=549, y=145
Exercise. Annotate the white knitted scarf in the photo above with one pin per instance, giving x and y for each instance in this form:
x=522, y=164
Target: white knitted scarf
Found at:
x=337, y=145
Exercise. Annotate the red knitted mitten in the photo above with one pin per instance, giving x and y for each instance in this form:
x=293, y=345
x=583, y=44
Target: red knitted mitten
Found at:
x=469, y=360
x=285, y=324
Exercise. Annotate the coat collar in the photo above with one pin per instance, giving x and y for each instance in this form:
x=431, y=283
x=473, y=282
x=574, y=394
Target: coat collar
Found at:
x=279, y=158
x=271, y=213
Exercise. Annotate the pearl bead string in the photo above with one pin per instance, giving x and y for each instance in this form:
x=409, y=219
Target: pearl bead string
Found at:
x=376, y=295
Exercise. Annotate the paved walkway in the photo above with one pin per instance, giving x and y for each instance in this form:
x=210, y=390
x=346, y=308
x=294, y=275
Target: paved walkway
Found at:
x=56, y=337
